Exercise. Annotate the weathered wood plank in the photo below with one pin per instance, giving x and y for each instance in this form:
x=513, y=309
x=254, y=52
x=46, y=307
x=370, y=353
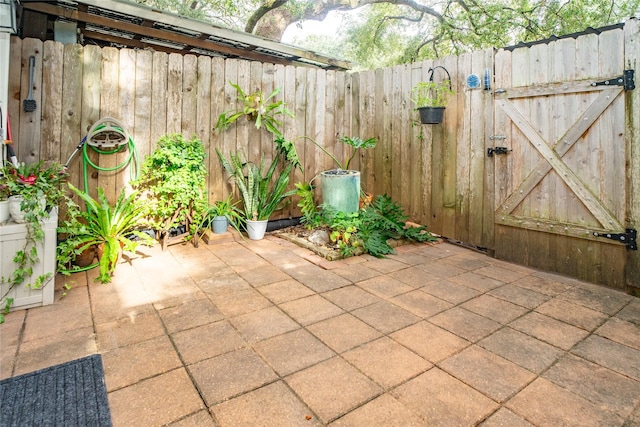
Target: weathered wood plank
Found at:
x=174, y=93
x=562, y=68
x=110, y=107
x=52, y=59
x=159, y=104
x=632, y=124
x=228, y=136
x=317, y=124
x=609, y=136
x=142, y=130
x=92, y=86
x=463, y=155
x=299, y=107
x=127, y=95
x=188, y=127
x=403, y=121
x=244, y=128
x=253, y=144
x=310, y=110
x=367, y=124
x=416, y=150
x=203, y=113
x=70, y=131
x=329, y=123
x=14, y=91
x=449, y=139
x=487, y=239
x=29, y=149
x=217, y=186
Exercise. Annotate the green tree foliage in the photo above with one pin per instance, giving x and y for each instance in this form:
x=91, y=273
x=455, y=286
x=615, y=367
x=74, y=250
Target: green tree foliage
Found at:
x=386, y=32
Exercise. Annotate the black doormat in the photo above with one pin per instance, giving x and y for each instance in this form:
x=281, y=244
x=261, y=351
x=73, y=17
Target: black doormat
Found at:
x=69, y=394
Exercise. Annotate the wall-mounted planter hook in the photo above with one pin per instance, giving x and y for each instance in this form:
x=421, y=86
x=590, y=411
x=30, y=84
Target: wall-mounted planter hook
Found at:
x=431, y=70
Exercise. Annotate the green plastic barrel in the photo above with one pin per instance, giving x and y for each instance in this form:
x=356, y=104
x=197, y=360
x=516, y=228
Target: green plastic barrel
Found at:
x=341, y=189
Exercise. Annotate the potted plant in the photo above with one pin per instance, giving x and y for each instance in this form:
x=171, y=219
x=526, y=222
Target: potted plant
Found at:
x=4, y=200
x=221, y=214
x=108, y=228
x=34, y=188
x=431, y=99
x=173, y=181
x=35, y=193
x=261, y=192
x=341, y=186
x=258, y=108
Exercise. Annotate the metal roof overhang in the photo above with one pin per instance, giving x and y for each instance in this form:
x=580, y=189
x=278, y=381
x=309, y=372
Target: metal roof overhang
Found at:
x=138, y=26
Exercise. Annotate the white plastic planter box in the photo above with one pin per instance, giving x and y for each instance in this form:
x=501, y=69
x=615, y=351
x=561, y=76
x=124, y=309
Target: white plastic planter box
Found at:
x=12, y=240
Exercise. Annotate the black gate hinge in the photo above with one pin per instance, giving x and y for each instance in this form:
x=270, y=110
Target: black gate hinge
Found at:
x=629, y=238
x=626, y=81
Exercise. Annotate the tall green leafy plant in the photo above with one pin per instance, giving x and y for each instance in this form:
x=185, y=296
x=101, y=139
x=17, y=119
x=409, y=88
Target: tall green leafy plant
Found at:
x=262, y=190
x=263, y=110
x=173, y=180
x=113, y=227
x=355, y=142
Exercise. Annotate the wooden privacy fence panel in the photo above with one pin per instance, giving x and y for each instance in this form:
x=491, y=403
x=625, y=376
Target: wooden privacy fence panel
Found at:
x=154, y=93
x=424, y=168
x=440, y=174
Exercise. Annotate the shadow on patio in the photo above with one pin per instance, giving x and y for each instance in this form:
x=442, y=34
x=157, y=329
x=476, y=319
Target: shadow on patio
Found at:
x=266, y=333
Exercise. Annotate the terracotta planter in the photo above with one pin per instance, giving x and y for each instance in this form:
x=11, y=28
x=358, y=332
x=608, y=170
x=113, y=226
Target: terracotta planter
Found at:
x=86, y=257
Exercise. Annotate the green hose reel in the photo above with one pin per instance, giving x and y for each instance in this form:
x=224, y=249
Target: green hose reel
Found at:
x=107, y=136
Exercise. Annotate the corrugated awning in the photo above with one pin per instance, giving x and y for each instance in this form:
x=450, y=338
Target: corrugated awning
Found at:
x=123, y=23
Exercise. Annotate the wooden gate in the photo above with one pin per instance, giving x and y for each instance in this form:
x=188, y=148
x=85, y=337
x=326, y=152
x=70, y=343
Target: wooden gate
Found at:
x=559, y=152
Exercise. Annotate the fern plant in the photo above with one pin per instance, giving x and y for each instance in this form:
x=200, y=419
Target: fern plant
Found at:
x=101, y=224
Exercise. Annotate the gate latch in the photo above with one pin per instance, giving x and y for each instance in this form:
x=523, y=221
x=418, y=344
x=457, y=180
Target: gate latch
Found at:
x=497, y=150
x=626, y=81
x=628, y=238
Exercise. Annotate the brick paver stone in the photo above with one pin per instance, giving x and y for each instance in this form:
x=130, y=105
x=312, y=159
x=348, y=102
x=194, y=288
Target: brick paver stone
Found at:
x=332, y=388
x=546, y=404
x=290, y=352
x=268, y=406
x=444, y=400
x=230, y=374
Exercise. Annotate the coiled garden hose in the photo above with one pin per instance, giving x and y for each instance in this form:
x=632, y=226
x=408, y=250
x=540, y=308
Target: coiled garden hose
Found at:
x=107, y=133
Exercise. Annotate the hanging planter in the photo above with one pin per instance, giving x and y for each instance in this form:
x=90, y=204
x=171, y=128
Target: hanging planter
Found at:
x=431, y=98
x=431, y=115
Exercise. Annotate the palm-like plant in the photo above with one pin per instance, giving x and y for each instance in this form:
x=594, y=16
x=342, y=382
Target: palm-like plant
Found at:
x=102, y=224
x=261, y=193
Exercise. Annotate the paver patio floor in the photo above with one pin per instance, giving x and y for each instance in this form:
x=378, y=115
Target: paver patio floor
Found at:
x=244, y=333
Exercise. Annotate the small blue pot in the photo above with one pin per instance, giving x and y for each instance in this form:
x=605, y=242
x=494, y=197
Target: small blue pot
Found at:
x=220, y=224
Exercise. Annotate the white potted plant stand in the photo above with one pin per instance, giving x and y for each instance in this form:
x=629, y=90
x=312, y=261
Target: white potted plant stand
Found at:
x=12, y=240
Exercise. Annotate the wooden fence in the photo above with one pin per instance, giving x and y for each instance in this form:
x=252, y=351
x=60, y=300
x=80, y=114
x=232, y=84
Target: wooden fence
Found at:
x=154, y=93
x=440, y=174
